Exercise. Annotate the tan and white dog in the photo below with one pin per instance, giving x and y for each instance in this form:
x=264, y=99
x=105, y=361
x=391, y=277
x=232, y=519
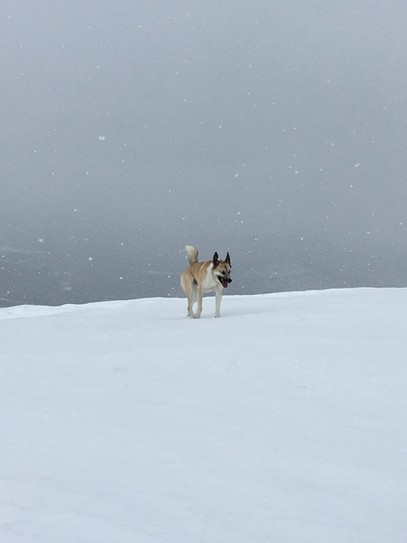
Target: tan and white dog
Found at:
x=202, y=277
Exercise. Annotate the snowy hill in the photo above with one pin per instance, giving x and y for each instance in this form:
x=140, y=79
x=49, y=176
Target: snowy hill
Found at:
x=284, y=421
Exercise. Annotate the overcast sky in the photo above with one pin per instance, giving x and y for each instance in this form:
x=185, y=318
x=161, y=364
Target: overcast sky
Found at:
x=184, y=119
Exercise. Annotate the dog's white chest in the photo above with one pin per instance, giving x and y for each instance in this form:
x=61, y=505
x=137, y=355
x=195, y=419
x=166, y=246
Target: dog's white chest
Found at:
x=210, y=281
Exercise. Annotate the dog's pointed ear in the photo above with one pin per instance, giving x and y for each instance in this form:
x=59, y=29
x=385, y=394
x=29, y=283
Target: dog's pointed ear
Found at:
x=215, y=260
x=227, y=259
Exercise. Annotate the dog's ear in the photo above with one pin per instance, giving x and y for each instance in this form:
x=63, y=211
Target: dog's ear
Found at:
x=227, y=259
x=215, y=260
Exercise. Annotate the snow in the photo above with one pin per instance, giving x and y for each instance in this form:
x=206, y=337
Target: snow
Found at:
x=285, y=420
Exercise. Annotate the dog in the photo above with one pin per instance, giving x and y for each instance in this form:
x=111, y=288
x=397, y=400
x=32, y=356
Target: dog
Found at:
x=202, y=277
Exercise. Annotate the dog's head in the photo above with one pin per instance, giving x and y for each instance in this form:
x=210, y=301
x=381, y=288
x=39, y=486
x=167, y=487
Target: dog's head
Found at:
x=222, y=269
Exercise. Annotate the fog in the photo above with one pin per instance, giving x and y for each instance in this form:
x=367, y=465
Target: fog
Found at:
x=274, y=129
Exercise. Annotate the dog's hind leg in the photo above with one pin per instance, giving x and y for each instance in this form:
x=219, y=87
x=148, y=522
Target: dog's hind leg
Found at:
x=189, y=308
x=199, y=293
x=191, y=301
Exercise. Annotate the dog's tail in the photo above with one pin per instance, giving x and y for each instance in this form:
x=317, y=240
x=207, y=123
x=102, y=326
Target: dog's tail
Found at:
x=192, y=254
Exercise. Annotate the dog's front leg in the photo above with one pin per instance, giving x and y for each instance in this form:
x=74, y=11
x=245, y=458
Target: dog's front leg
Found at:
x=199, y=303
x=218, y=294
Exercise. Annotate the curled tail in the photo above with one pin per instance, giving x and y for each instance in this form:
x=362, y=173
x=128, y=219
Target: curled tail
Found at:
x=192, y=254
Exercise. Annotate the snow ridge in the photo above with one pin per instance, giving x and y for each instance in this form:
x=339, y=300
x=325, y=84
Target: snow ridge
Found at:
x=282, y=421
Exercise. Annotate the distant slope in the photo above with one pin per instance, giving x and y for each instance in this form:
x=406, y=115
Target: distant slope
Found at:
x=83, y=268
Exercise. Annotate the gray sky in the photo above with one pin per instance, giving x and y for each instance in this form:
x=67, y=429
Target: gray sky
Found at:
x=203, y=122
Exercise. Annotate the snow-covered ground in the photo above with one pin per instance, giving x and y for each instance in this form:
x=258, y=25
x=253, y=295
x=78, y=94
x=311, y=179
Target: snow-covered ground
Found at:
x=284, y=421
